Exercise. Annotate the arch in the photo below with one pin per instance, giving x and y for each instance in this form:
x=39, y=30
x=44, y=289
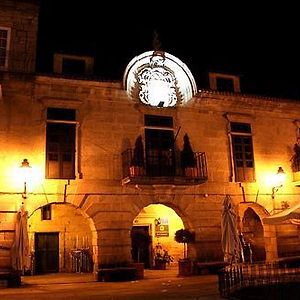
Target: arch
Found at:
x=175, y=204
x=162, y=222
x=76, y=230
x=257, y=213
x=112, y=218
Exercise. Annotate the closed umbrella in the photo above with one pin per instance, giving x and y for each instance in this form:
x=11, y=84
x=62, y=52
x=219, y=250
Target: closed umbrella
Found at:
x=20, y=247
x=231, y=244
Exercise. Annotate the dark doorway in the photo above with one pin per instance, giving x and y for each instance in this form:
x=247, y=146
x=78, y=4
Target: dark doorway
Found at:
x=160, y=152
x=141, y=244
x=254, y=235
x=46, y=252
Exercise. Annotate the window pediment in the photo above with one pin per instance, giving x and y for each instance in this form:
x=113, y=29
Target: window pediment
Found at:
x=61, y=102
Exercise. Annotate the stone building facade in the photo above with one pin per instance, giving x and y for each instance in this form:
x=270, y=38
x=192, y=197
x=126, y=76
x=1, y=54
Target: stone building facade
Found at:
x=79, y=137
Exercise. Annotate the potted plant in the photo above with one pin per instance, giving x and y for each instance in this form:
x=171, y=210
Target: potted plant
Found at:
x=185, y=236
x=187, y=157
x=137, y=162
x=161, y=258
x=295, y=159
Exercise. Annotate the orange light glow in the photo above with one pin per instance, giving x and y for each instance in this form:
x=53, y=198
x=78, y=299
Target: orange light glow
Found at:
x=280, y=177
x=25, y=174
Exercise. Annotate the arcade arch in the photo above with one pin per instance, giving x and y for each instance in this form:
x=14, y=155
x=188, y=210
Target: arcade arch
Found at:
x=262, y=237
x=57, y=240
x=160, y=222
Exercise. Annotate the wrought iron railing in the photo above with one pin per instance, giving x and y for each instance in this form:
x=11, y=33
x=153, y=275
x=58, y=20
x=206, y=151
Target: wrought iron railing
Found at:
x=296, y=164
x=163, y=164
x=235, y=277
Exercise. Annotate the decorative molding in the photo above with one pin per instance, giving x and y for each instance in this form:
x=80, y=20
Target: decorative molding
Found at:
x=238, y=117
x=61, y=102
x=157, y=84
x=177, y=73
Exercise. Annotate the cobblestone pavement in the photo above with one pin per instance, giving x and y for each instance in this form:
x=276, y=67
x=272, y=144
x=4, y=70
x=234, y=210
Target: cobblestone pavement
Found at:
x=157, y=284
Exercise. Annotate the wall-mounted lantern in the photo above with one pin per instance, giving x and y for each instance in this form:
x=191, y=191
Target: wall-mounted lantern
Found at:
x=279, y=180
x=25, y=170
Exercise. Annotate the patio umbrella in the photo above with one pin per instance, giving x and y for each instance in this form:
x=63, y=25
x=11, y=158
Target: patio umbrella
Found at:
x=231, y=244
x=291, y=215
x=20, y=246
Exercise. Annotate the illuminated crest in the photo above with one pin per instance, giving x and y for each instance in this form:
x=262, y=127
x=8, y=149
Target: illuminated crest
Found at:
x=157, y=84
x=159, y=79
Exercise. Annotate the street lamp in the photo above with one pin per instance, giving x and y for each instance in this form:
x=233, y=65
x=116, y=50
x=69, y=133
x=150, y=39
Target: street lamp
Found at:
x=278, y=182
x=25, y=172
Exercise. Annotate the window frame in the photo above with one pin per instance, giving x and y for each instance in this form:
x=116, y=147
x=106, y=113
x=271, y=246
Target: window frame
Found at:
x=60, y=57
x=60, y=151
x=46, y=212
x=247, y=177
x=7, y=47
x=213, y=82
x=159, y=161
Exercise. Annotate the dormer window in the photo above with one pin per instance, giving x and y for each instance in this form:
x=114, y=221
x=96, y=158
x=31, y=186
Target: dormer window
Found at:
x=224, y=82
x=73, y=64
x=4, y=47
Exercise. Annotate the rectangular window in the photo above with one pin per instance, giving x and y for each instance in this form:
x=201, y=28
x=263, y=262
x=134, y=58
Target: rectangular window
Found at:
x=4, y=46
x=61, y=114
x=242, y=149
x=158, y=121
x=159, y=142
x=60, y=144
x=73, y=66
x=225, y=84
x=46, y=212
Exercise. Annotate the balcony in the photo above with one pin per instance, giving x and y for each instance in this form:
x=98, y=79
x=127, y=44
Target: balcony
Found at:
x=163, y=168
x=296, y=170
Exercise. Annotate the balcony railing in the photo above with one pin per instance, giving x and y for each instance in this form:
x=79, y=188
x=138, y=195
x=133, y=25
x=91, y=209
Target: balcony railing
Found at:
x=296, y=164
x=296, y=169
x=163, y=168
x=238, y=276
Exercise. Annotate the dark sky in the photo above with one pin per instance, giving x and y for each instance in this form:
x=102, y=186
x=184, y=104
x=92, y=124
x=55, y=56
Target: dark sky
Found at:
x=255, y=42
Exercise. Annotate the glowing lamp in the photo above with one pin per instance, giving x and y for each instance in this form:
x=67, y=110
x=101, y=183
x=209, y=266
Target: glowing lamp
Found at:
x=279, y=180
x=25, y=170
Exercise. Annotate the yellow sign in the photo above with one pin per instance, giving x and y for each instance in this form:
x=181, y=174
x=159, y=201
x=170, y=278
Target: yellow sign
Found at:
x=161, y=230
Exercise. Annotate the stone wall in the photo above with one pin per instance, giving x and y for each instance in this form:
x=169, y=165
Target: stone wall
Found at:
x=108, y=123
x=73, y=229
x=22, y=18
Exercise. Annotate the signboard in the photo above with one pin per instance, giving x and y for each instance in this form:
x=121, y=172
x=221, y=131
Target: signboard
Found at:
x=161, y=230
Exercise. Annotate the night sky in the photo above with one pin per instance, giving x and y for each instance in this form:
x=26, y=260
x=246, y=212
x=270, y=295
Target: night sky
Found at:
x=254, y=42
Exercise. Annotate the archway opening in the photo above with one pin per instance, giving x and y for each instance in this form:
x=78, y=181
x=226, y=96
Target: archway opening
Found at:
x=254, y=234
x=60, y=240
x=154, y=230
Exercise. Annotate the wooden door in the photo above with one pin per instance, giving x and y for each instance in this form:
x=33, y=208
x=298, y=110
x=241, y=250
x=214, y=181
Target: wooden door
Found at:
x=141, y=245
x=160, y=152
x=46, y=252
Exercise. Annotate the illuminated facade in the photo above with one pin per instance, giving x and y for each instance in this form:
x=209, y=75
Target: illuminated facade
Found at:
x=92, y=186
